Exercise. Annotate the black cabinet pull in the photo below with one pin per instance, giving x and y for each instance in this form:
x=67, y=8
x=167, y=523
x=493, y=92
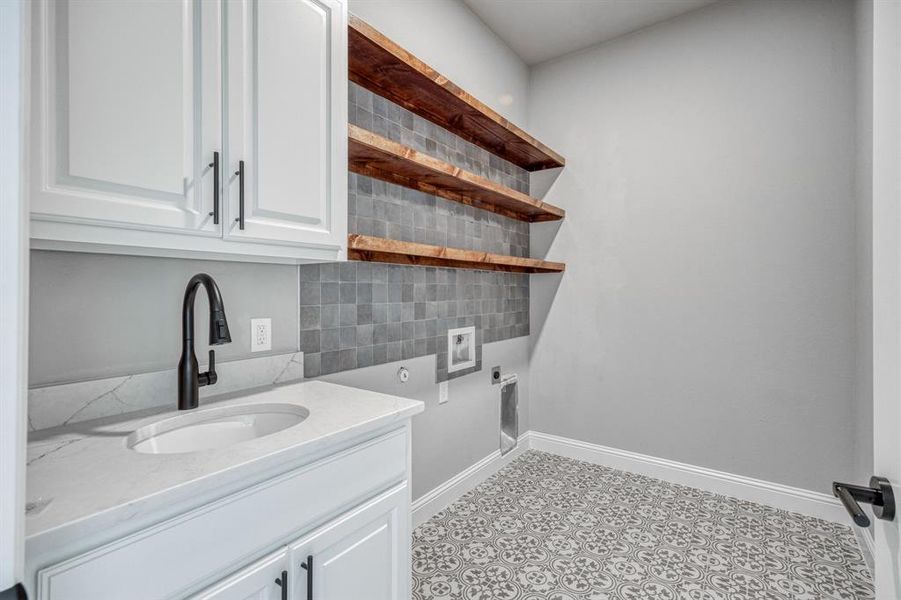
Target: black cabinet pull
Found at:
x=308, y=567
x=282, y=582
x=240, y=174
x=215, y=165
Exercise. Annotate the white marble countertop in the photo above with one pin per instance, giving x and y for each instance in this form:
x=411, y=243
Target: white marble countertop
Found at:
x=84, y=478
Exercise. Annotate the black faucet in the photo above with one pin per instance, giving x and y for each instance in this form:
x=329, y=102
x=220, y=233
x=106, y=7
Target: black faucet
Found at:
x=189, y=380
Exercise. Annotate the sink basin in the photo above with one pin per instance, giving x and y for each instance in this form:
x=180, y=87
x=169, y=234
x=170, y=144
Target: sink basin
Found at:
x=215, y=428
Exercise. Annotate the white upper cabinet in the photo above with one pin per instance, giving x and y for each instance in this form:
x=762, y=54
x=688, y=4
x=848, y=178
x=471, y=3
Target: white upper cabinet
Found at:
x=129, y=111
x=287, y=114
x=129, y=115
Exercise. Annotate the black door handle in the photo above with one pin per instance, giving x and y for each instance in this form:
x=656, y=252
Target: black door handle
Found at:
x=282, y=582
x=308, y=567
x=879, y=494
x=215, y=165
x=17, y=592
x=240, y=174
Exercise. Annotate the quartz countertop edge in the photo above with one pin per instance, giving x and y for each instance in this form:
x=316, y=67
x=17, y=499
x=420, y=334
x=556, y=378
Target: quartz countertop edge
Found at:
x=85, y=479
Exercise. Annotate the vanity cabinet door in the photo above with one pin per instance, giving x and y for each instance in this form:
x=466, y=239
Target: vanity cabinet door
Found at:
x=363, y=554
x=287, y=122
x=127, y=115
x=262, y=580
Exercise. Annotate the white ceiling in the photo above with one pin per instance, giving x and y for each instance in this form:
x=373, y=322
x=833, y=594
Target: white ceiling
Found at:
x=539, y=30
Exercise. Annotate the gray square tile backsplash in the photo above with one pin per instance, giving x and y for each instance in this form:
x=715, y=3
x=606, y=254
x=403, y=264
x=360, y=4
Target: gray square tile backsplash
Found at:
x=358, y=314
x=381, y=116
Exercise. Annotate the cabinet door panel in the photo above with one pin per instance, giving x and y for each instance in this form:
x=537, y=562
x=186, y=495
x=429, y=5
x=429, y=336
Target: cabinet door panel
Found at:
x=256, y=582
x=127, y=112
x=292, y=111
x=127, y=101
x=287, y=107
x=361, y=567
x=360, y=555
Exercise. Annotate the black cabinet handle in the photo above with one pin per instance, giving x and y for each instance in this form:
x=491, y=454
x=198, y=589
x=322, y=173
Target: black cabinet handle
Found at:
x=240, y=174
x=282, y=582
x=215, y=165
x=879, y=494
x=308, y=567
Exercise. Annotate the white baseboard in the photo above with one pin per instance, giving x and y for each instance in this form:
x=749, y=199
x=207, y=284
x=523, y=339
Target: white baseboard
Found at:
x=806, y=502
x=436, y=500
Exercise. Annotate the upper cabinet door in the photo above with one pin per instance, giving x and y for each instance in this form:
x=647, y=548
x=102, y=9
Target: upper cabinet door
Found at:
x=287, y=121
x=127, y=108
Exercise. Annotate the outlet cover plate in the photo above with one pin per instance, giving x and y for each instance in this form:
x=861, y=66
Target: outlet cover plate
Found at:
x=260, y=335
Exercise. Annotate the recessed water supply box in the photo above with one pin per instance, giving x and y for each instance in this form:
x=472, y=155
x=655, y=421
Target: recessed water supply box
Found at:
x=461, y=348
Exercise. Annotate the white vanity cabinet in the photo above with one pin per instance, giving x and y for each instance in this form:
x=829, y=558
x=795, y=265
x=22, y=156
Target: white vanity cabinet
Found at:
x=144, y=112
x=359, y=555
x=347, y=512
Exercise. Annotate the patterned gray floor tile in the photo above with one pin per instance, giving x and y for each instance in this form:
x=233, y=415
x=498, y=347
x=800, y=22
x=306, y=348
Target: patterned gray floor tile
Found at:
x=552, y=528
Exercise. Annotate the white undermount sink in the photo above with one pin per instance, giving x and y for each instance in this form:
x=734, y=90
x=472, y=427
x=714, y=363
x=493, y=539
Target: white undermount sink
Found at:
x=211, y=428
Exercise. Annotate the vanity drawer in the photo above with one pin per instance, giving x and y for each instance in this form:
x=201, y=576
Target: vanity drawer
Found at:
x=179, y=555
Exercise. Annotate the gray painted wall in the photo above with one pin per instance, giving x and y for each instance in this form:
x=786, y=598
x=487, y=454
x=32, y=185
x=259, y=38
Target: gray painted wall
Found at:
x=102, y=315
x=450, y=437
x=707, y=314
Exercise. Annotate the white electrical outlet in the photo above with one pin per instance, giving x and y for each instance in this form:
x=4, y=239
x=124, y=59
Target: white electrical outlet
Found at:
x=442, y=392
x=260, y=335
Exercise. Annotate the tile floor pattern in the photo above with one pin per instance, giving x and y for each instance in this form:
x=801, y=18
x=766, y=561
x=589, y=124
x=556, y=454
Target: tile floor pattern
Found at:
x=552, y=528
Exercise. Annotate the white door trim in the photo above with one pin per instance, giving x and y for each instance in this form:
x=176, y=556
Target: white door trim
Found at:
x=887, y=282
x=14, y=28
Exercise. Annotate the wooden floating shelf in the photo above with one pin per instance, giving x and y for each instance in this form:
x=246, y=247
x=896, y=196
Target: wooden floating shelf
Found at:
x=375, y=156
x=378, y=64
x=376, y=249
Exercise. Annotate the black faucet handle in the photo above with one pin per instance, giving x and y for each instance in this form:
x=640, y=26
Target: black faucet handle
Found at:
x=210, y=377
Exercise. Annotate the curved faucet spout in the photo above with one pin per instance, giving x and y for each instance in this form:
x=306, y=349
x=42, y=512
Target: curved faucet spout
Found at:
x=189, y=379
